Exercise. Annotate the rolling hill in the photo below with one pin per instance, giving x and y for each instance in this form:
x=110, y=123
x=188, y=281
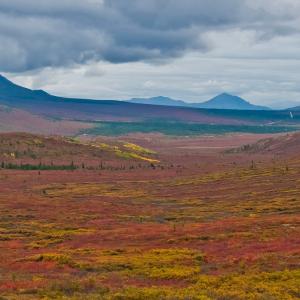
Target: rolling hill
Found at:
x=19, y=150
x=16, y=120
x=284, y=145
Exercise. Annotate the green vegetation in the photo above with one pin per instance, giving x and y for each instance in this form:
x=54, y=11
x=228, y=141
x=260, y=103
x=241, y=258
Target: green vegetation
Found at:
x=180, y=129
x=128, y=151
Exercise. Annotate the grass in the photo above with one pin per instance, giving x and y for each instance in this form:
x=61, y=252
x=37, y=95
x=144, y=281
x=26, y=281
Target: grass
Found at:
x=277, y=285
x=227, y=233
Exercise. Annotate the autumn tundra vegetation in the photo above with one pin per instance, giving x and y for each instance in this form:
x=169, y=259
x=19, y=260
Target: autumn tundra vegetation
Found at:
x=150, y=217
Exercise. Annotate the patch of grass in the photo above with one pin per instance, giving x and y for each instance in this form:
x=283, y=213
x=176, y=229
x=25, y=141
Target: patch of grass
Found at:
x=139, y=149
x=154, y=264
x=277, y=285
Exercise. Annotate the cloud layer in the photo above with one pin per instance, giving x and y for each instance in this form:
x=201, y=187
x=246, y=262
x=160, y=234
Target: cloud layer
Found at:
x=36, y=34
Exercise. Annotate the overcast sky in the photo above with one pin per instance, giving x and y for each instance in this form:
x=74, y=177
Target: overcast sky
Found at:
x=119, y=49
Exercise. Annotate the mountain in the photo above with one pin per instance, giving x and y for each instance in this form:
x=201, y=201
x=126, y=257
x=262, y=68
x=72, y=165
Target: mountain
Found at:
x=295, y=108
x=23, y=109
x=222, y=101
x=227, y=101
x=40, y=103
x=284, y=104
x=160, y=100
x=9, y=91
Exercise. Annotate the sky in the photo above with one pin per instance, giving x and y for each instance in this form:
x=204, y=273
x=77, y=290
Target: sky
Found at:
x=190, y=50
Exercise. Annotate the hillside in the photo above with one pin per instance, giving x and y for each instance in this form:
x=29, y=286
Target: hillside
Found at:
x=284, y=145
x=17, y=149
x=12, y=120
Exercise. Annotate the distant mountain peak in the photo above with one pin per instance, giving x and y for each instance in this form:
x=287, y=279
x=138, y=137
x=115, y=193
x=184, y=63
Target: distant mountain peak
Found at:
x=221, y=101
x=155, y=98
x=225, y=95
x=228, y=101
x=160, y=97
x=158, y=100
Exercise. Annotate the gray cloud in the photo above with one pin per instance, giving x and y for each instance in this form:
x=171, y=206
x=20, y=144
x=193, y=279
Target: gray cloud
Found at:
x=40, y=33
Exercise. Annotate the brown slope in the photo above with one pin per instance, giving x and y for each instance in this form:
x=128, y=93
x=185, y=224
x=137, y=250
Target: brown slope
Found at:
x=288, y=144
x=12, y=120
x=25, y=148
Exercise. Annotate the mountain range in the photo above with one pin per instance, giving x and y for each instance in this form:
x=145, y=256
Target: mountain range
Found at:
x=23, y=109
x=222, y=101
x=40, y=103
x=11, y=91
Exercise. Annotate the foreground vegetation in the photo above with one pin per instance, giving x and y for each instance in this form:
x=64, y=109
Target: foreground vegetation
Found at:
x=226, y=227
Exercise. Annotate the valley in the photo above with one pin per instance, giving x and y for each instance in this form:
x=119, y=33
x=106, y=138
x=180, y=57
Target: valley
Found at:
x=149, y=150
x=150, y=217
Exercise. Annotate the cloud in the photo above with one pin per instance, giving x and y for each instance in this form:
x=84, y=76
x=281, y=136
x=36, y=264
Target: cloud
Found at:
x=36, y=34
x=195, y=77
